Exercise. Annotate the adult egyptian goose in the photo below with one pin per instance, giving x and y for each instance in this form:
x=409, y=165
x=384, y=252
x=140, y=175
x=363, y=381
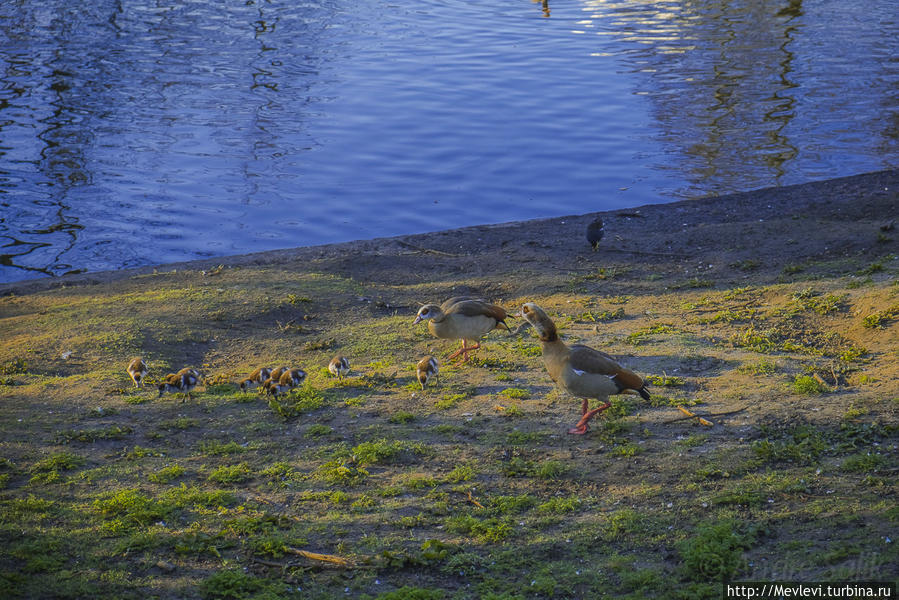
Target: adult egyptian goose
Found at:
x=580, y=370
x=462, y=318
x=339, y=366
x=427, y=368
x=256, y=378
x=137, y=370
x=595, y=232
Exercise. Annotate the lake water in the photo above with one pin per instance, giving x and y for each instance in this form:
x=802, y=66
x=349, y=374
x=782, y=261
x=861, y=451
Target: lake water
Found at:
x=135, y=132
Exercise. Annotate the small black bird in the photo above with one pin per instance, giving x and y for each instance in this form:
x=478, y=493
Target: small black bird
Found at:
x=595, y=232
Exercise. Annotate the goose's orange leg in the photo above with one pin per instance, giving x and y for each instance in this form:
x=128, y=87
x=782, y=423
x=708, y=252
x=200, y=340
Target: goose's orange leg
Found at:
x=464, y=350
x=581, y=427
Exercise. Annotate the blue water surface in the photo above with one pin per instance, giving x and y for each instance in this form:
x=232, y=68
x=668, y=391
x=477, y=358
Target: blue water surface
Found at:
x=136, y=132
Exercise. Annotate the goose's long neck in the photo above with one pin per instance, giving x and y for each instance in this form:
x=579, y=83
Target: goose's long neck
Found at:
x=553, y=347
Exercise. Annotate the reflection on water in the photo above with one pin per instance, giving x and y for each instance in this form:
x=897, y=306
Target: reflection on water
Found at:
x=723, y=96
x=136, y=133
x=772, y=93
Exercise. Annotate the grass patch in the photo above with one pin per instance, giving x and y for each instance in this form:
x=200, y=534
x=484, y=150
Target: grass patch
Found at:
x=205, y=499
x=130, y=508
x=880, y=319
x=230, y=474
x=88, y=436
x=602, y=316
x=715, y=552
x=449, y=401
x=167, y=474
x=560, y=506
x=219, y=448
x=299, y=401
x=490, y=529
x=383, y=451
x=822, y=304
x=643, y=335
x=808, y=385
x=401, y=417
x=863, y=463
x=762, y=367
x=515, y=393
x=318, y=430
x=805, y=444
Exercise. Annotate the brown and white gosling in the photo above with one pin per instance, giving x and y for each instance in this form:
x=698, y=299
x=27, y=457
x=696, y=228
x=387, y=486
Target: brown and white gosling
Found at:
x=580, y=370
x=427, y=368
x=182, y=382
x=273, y=378
x=289, y=379
x=256, y=378
x=463, y=318
x=137, y=370
x=339, y=366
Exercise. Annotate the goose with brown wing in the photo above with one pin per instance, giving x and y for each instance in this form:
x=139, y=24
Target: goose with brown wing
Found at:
x=463, y=318
x=580, y=370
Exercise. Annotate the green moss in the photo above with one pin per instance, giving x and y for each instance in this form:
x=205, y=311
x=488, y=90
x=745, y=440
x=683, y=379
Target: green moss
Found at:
x=450, y=400
x=218, y=448
x=515, y=393
x=715, y=551
x=863, y=463
x=460, y=473
x=560, y=506
x=230, y=474
x=166, y=474
x=131, y=508
x=490, y=529
x=299, y=401
x=808, y=385
x=505, y=505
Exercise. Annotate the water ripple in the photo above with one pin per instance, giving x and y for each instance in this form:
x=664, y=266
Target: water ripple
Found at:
x=135, y=133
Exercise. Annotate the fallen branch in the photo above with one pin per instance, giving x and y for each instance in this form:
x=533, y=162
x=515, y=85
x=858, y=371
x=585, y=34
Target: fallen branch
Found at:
x=693, y=416
x=473, y=501
x=269, y=563
x=329, y=558
x=425, y=250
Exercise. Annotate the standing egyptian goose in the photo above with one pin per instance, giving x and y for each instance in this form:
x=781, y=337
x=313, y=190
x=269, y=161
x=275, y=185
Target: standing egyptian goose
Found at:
x=462, y=318
x=339, y=366
x=137, y=370
x=581, y=370
x=595, y=232
x=256, y=378
x=427, y=368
